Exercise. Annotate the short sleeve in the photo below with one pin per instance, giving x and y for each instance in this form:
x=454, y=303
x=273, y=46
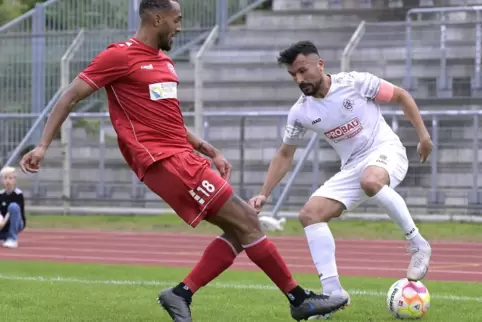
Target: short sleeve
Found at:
x=106, y=67
x=367, y=84
x=294, y=130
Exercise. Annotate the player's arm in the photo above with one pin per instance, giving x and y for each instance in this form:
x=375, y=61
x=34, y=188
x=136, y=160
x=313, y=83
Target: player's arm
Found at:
x=223, y=166
x=283, y=158
x=105, y=68
x=382, y=91
x=278, y=168
x=390, y=93
x=76, y=92
x=201, y=146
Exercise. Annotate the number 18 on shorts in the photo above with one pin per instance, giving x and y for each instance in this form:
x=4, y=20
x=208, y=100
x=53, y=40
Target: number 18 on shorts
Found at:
x=187, y=183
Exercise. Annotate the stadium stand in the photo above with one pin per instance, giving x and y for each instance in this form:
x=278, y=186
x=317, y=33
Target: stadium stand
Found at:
x=241, y=74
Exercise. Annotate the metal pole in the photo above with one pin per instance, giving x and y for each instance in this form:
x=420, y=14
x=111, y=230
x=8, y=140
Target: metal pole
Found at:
x=351, y=45
x=478, y=50
x=407, y=82
x=66, y=143
x=66, y=129
x=475, y=160
x=199, y=81
x=395, y=123
x=101, y=191
x=279, y=203
x=222, y=17
x=38, y=63
x=133, y=15
x=316, y=166
x=198, y=96
x=242, y=145
x=434, y=175
x=134, y=181
x=443, y=53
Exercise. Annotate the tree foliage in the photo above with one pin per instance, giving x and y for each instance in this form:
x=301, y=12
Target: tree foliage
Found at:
x=10, y=9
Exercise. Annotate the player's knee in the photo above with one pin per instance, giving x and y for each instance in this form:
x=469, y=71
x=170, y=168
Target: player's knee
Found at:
x=237, y=218
x=373, y=180
x=371, y=184
x=13, y=208
x=316, y=211
x=252, y=221
x=231, y=239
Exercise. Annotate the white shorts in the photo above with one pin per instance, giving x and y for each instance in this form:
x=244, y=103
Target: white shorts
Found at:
x=345, y=185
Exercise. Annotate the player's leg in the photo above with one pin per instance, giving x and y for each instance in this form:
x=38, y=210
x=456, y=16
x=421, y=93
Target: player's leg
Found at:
x=195, y=191
x=16, y=225
x=238, y=216
x=384, y=172
x=314, y=217
x=170, y=179
x=217, y=257
x=339, y=193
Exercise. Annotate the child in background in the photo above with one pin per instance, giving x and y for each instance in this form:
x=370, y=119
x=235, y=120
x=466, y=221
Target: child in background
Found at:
x=12, y=219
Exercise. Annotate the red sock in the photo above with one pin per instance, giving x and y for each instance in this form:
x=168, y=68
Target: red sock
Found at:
x=217, y=258
x=264, y=254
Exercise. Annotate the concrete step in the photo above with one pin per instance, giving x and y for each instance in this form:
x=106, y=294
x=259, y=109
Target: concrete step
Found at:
x=263, y=71
x=383, y=54
x=299, y=19
x=345, y=5
x=123, y=195
x=254, y=38
x=280, y=5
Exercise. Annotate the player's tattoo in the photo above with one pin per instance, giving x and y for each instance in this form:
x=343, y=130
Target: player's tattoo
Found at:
x=207, y=149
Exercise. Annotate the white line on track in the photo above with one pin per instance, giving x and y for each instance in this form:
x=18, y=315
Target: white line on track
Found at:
x=60, y=279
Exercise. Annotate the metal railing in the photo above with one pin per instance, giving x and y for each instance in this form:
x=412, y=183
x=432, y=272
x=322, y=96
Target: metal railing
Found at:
x=351, y=45
x=99, y=176
x=444, y=88
x=31, y=47
x=35, y=130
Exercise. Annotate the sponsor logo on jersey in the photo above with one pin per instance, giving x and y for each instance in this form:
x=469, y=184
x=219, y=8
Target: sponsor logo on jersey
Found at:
x=345, y=131
x=316, y=121
x=348, y=104
x=162, y=91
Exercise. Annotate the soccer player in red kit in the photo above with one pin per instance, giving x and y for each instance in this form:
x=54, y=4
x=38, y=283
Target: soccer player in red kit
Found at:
x=141, y=85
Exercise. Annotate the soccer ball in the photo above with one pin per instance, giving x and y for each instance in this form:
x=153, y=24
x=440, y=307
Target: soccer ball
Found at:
x=408, y=300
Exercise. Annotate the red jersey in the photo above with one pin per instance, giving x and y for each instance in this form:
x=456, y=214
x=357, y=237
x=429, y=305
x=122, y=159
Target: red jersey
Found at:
x=141, y=85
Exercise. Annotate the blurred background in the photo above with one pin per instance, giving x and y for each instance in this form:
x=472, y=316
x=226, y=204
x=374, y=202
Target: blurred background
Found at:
x=234, y=94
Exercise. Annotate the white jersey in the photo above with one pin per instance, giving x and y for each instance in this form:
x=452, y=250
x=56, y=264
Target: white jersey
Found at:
x=347, y=117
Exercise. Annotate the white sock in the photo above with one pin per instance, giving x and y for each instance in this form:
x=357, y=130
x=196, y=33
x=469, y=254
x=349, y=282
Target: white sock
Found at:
x=322, y=248
x=397, y=209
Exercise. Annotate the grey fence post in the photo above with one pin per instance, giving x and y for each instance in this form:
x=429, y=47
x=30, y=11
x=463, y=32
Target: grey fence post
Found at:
x=242, y=157
x=38, y=64
x=474, y=197
x=222, y=17
x=436, y=197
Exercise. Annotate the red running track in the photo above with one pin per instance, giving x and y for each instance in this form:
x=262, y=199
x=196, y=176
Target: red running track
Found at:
x=368, y=258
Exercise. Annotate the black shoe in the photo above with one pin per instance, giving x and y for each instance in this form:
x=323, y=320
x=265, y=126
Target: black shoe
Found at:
x=176, y=306
x=318, y=305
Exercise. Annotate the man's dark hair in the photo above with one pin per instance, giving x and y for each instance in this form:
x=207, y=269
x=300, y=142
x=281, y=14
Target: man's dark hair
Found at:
x=288, y=56
x=148, y=5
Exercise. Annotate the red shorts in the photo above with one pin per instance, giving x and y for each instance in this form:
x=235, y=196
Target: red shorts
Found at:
x=186, y=182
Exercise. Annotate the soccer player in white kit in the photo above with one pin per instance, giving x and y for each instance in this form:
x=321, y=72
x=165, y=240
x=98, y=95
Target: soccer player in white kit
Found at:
x=343, y=108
